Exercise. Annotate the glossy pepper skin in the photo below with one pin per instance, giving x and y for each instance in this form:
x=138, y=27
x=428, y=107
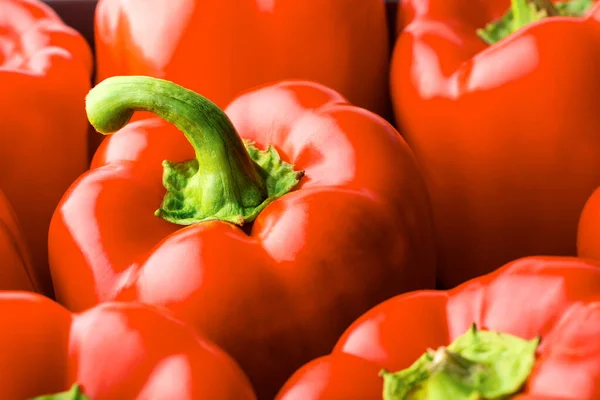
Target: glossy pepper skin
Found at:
x=45, y=70
x=220, y=48
x=356, y=230
x=16, y=270
x=113, y=351
x=506, y=134
x=556, y=298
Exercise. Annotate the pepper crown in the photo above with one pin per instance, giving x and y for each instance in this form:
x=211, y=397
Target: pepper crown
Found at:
x=525, y=12
x=229, y=180
x=477, y=365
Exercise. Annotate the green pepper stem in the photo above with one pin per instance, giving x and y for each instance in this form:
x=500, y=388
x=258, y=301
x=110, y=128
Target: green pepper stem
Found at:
x=547, y=6
x=220, y=152
x=477, y=364
x=525, y=12
x=74, y=393
x=450, y=362
x=223, y=182
x=528, y=11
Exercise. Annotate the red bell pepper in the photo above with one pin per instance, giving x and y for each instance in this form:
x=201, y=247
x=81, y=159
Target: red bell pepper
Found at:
x=553, y=298
x=221, y=48
x=272, y=275
x=16, y=271
x=507, y=132
x=113, y=351
x=45, y=71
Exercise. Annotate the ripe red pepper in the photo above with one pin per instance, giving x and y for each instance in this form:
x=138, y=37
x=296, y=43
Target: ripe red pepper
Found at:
x=305, y=263
x=221, y=48
x=113, y=351
x=45, y=70
x=507, y=132
x=16, y=271
x=553, y=298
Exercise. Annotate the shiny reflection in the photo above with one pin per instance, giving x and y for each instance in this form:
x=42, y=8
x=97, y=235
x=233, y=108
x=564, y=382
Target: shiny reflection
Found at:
x=172, y=371
x=282, y=243
x=186, y=275
x=493, y=69
x=99, y=333
x=326, y=168
x=170, y=17
x=267, y=6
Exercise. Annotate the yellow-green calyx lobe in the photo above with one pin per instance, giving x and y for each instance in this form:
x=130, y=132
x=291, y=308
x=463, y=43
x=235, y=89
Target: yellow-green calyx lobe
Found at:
x=228, y=180
x=74, y=393
x=479, y=365
x=524, y=12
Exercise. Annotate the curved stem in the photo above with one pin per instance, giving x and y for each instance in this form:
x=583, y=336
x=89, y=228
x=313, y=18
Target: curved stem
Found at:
x=111, y=104
x=223, y=182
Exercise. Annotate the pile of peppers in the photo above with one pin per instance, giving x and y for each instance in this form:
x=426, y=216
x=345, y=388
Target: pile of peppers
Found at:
x=300, y=200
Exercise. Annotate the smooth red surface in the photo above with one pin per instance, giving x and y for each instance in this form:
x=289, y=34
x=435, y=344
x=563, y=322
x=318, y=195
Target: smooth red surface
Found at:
x=16, y=271
x=356, y=231
x=557, y=298
x=507, y=134
x=222, y=48
x=45, y=70
x=114, y=351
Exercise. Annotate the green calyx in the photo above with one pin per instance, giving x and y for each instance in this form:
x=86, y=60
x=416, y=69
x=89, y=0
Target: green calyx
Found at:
x=182, y=206
x=524, y=12
x=228, y=180
x=74, y=393
x=479, y=365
